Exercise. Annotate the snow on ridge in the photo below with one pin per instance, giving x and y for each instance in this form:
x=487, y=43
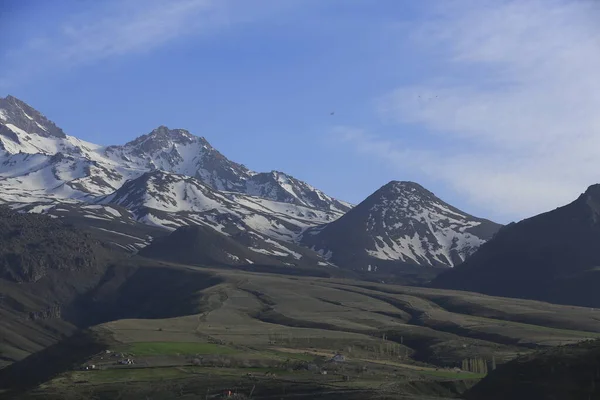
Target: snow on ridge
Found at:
x=268, y=252
x=16, y=129
x=283, y=248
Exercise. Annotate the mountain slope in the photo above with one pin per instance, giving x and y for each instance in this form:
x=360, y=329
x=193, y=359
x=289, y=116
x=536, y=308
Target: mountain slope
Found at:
x=44, y=265
x=553, y=257
x=31, y=246
x=170, y=201
x=173, y=201
x=203, y=245
x=401, y=223
x=111, y=224
x=565, y=372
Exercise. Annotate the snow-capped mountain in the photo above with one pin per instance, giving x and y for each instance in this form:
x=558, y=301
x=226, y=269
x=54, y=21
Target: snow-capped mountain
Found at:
x=182, y=153
x=41, y=158
x=169, y=178
x=165, y=179
x=401, y=222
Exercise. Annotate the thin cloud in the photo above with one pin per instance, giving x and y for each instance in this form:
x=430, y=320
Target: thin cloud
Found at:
x=135, y=27
x=119, y=28
x=520, y=98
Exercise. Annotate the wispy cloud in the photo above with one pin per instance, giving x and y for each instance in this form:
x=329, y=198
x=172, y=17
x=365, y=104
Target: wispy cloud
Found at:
x=134, y=27
x=116, y=28
x=519, y=100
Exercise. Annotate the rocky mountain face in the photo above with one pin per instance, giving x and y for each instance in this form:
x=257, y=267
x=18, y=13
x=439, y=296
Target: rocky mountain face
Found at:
x=553, y=257
x=16, y=115
x=32, y=246
x=170, y=178
x=403, y=223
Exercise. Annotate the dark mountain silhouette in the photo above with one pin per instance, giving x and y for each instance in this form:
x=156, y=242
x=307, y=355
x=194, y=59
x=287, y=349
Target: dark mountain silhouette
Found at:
x=553, y=257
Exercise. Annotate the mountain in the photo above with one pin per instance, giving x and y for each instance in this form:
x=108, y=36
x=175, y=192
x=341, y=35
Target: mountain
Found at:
x=21, y=126
x=180, y=152
x=552, y=257
x=132, y=193
x=42, y=159
x=564, y=372
x=402, y=223
x=44, y=265
x=56, y=278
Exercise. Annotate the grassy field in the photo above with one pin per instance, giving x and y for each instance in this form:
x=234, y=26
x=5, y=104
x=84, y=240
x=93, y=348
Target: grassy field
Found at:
x=271, y=332
x=177, y=348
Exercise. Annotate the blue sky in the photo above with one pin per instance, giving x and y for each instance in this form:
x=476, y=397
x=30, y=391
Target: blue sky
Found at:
x=477, y=100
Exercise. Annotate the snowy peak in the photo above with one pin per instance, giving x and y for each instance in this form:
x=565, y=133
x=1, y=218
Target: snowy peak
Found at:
x=397, y=200
x=401, y=194
x=170, y=178
x=404, y=189
x=402, y=222
x=180, y=152
x=15, y=113
x=161, y=138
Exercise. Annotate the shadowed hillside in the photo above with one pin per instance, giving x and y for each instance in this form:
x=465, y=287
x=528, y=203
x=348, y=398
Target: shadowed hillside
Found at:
x=551, y=257
x=566, y=372
x=33, y=246
x=54, y=279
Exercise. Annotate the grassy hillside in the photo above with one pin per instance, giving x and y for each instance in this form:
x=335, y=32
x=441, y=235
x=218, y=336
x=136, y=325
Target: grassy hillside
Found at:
x=277, y=333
